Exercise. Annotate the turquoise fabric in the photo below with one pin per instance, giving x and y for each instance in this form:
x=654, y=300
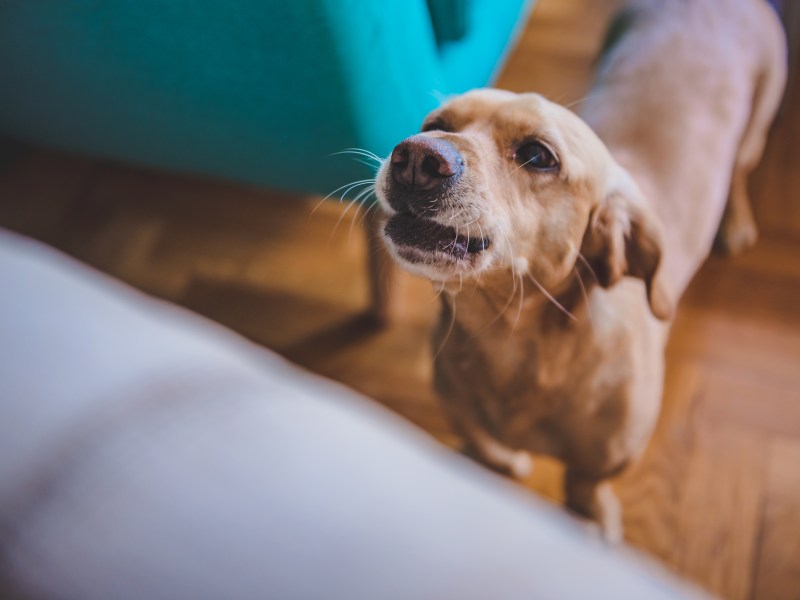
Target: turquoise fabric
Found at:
x=260, y=91
x=449, y=18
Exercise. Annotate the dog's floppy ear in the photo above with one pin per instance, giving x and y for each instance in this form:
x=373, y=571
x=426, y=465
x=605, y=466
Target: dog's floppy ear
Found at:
x=624, y=237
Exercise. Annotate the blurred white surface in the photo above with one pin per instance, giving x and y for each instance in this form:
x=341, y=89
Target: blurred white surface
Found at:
x=148, y=453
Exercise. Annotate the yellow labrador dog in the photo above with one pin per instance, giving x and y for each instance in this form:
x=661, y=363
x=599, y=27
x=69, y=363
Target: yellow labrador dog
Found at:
x=562, y=243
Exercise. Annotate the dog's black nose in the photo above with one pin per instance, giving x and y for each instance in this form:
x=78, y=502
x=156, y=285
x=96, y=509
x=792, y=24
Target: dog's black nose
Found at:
x=423, y=163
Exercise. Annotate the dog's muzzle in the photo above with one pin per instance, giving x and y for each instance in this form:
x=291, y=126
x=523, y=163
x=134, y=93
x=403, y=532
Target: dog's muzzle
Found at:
x=422, y=168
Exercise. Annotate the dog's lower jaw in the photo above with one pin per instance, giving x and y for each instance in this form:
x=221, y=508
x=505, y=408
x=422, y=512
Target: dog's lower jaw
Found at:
x=438, y=267
x=433, y=250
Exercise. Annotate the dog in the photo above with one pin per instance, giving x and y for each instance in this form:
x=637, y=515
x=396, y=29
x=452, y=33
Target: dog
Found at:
x=561, y=242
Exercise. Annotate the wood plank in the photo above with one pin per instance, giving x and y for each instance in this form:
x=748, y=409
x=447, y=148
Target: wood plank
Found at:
x=778, y=564
x=720, y=509
x=652, y=489
x=39, y=187
x=758, y=401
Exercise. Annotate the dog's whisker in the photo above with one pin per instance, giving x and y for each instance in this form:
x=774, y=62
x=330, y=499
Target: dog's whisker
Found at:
x=366, y=164
x=362, y=220
x=361, y=199
x=585, y=297
x=438, y=293
x=480, y=232
x=487, y=297
x=579, y=100
x=450, y=328
x=363, y=194
x=514, y=279
x=510, y=299
x=617, y=82
x=481, y=213
x=354, y=184
x=503, y=308
x=458, y=214
x=371, y=207
x=582, y=258
x=377, y=160
x=521, y=303
x=477, y=283
x=552, y=299
x=346, y=185
x=440, y=97
x=350, y=189
x=341, y=217
x=511, y=261
x=473, y=221
x=362, y=152
x=518, y=167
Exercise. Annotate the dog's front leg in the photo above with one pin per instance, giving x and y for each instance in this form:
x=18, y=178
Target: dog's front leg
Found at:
x=486, y=449
x=594, y=499
x=462, y=406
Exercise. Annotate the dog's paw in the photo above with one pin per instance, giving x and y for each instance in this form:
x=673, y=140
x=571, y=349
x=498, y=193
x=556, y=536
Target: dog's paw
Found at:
x=521, y=465
x=612, y=530
x=609, y=515
x=736, y=235
x=516, y=464
x=606, y=533
x=598, y=507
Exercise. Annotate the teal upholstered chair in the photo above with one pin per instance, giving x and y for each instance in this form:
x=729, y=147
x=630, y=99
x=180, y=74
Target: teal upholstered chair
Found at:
x=260, y=91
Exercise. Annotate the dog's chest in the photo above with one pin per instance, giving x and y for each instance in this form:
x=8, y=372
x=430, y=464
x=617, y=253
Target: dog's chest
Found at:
x=518, y=381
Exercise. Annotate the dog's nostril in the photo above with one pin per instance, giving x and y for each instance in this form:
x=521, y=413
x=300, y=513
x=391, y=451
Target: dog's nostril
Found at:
x=423, y=163
x=403, y=166
x=400, y=154
x=431, y=167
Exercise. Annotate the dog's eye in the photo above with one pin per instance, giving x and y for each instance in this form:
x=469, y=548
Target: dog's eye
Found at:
x=536, y=156
x=436, y=125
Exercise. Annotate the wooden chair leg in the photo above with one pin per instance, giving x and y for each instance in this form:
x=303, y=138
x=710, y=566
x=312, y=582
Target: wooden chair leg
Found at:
x=382, y=272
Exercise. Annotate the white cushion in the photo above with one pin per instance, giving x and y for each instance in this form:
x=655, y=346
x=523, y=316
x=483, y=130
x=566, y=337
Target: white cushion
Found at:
x=148, y=453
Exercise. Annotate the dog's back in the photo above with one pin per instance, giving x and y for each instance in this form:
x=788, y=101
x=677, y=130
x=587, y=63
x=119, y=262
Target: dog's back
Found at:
x=685, y=93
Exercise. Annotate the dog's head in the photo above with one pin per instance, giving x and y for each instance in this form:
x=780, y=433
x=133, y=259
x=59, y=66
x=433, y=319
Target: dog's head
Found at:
x=498, y=180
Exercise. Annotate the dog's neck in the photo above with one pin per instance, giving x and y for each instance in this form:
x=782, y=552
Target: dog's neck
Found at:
x=504, y=302
x=520, y=333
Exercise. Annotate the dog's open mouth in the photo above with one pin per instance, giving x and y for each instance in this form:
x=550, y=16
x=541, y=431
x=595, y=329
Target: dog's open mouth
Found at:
x=415, y=237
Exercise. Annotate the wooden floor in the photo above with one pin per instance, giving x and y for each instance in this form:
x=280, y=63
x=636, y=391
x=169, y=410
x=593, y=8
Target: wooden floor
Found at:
x=717, y=495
